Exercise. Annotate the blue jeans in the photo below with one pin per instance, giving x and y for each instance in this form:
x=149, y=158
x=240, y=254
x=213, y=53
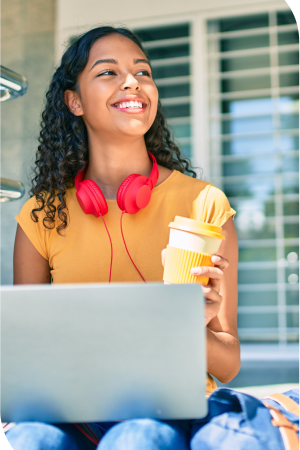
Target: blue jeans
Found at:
x=139, y=434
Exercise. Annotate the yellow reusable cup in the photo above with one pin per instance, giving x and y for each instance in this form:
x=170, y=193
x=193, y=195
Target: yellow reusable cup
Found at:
x=191, y=244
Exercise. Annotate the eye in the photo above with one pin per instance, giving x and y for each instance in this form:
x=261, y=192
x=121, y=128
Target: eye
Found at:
x=146, y=71
x=112, y=72
x=107, y=71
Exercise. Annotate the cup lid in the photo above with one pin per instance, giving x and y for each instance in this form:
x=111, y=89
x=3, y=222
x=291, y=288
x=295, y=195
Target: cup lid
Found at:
x=193, y=226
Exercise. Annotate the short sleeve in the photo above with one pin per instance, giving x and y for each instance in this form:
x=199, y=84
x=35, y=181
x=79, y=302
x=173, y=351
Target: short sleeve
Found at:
x=212, y=206
x=35, y=231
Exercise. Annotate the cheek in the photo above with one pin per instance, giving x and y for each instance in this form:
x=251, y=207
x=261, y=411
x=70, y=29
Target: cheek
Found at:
x=153, y=96
x=95, y=113
x=94, y=99
x=154, y=93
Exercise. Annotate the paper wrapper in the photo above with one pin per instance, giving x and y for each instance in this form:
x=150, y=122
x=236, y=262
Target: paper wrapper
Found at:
x=178, y=264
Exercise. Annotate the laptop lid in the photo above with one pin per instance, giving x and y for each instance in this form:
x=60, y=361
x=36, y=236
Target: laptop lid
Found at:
x=98, y=352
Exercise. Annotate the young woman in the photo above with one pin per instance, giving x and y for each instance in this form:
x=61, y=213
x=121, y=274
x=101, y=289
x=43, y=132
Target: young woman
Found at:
x=103, y=123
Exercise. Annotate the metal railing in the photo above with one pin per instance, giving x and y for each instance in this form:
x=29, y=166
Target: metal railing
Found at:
x=12, y=85
x=10, y=190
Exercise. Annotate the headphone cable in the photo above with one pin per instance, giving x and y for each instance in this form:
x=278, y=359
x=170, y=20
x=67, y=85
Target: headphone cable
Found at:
x=123, y=212
x=95, y=441
x=111, y=249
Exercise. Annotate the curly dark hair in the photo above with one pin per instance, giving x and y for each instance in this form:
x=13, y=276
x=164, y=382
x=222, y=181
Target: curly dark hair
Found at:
x=63, y=142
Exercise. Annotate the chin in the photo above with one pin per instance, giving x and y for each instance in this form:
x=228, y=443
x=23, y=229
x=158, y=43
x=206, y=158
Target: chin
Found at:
x=135, y=131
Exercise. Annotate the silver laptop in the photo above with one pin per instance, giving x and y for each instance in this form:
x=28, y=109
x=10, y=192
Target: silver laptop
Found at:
x=98, y=352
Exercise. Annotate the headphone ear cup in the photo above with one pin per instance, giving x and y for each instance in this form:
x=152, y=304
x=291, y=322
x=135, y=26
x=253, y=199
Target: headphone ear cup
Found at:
x=123, y=188
x=91, y=198
x=133, y=194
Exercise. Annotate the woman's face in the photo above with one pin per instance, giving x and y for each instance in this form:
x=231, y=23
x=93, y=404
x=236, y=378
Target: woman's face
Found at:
x=116, y=74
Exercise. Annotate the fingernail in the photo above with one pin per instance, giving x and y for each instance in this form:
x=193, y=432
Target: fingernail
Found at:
x=196, y=271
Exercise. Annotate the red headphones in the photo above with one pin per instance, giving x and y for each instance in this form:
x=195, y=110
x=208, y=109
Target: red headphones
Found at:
x=133, y=194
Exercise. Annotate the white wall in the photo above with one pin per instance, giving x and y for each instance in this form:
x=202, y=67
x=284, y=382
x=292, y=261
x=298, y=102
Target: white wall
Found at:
x=75, y=16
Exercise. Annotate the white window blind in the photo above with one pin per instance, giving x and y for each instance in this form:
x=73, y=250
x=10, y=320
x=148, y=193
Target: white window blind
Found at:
x=253, y=64
x=169, y=51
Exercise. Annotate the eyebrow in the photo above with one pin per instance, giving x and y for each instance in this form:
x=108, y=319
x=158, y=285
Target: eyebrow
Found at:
x=113, y=61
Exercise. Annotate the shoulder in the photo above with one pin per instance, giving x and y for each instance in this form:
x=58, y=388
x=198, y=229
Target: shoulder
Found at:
x=39, y=231
x=203, y=191
x=212, y=194
x=36, y=203
x=31, y=204
x=32, y=225
x=205, y=202
x=213, y=206
x=30, y=218
x=185, y=182
x=33, y=210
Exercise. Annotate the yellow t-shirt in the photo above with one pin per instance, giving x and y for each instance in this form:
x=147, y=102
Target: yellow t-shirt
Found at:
x=82, y=254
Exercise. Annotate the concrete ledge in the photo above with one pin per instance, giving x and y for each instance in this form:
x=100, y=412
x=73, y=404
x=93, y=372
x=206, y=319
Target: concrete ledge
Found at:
x=270, y=352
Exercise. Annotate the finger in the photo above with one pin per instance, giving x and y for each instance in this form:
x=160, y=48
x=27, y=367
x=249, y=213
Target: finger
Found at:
x=206, y=271
x=211, y=311
x=163, y=256
x=212, y=304
x=211, y=295
x=219, y=261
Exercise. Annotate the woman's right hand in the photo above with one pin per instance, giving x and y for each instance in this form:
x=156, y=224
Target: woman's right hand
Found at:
x=211, y=291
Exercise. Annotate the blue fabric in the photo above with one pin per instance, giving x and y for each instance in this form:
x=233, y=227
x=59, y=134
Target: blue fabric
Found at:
x=39, y=436
x=235, y=421
x=103, y=427
x=141, y=434
x=147, y=434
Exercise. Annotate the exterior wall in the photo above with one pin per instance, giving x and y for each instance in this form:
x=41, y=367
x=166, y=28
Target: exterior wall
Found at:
x=259, y=362
x=34, y=32
x=27, y=48
x=29, y=32
x=75, y=16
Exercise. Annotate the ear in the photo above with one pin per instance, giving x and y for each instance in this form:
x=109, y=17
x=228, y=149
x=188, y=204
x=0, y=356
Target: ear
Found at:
x=73, y=102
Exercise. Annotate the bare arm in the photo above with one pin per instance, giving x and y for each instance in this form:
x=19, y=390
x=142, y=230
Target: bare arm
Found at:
x=223, y=350
x=29, y=265
x=222, y=345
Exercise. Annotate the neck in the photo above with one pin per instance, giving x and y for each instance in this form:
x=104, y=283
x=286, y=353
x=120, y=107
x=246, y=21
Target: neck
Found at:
x=111, y=162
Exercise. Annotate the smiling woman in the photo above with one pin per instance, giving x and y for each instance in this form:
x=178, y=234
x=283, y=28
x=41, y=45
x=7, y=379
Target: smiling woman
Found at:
x=106, y=152
x=80, y=104
x=102, y=85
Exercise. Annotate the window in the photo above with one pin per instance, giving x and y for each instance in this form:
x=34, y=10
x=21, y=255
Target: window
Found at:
x=253, y=71
x=169, y=52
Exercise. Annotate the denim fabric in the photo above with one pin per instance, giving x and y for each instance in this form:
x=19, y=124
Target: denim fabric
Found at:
x=234, y=421
x=147, y=434
x=36, y=435
x=140, y=434
x=238, y=421
x=40, y=436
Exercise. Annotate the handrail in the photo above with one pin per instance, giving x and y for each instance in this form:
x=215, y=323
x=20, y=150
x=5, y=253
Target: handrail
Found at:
x=12, y=84
x=11, y=190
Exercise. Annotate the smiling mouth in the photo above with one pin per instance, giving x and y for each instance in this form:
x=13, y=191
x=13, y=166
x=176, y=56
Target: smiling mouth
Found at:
x=131, y=106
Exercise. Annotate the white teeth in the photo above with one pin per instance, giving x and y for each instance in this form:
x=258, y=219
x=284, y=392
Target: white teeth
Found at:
x=131, y=104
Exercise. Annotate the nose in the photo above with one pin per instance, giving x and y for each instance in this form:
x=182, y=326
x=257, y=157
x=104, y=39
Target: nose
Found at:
x=130, y=82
